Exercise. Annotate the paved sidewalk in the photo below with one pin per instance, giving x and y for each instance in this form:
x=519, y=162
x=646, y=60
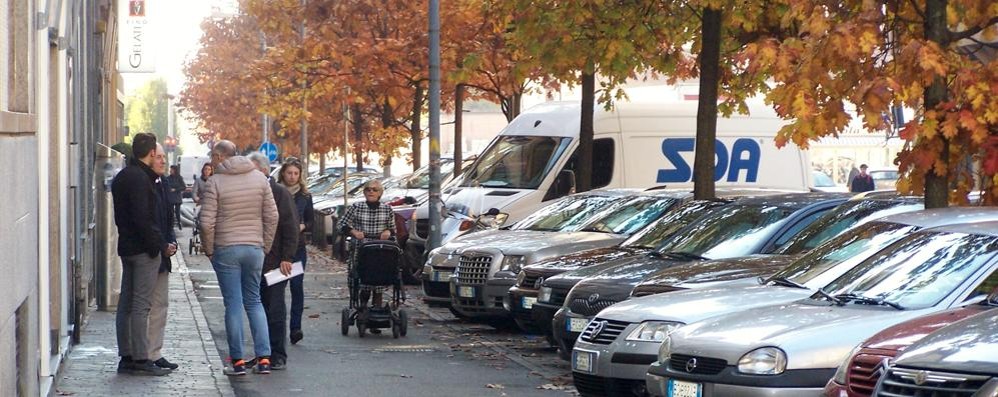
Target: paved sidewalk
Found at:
x=91, y=367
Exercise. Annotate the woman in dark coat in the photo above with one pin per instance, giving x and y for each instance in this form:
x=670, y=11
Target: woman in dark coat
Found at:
x=291, y=177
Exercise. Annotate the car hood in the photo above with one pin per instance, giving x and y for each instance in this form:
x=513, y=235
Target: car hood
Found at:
x=970, y=345
x=557, y=244
x=814, y=334
x=900, y=336
x=492, y=238
x=690, y=306
x=719, y=270
x=582, y=259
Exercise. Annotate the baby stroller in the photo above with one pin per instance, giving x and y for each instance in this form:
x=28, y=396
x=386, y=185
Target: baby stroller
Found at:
x=375, y=264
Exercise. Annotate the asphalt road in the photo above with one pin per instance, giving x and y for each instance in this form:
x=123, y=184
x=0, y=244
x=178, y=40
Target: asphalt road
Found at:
x=441, y=356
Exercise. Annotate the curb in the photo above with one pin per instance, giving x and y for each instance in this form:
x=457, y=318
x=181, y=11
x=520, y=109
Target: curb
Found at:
x=207, y=341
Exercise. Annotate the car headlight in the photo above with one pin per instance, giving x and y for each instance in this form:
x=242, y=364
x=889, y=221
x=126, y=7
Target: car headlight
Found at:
x=325, y=211
x=840, y=373
x=653, y=331
x=513, y=263
x=544, y=295
x=493, y=221
x=665, y=350
x=763, y=361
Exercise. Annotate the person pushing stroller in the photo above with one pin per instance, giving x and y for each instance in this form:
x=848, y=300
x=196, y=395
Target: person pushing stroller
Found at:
x=370, y=219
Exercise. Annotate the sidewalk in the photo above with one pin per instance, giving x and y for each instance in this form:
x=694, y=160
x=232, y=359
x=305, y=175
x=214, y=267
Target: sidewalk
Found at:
x=91, y=367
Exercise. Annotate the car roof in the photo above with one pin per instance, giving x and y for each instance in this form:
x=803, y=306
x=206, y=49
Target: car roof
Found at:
x=619, y=192
x=888, y=195
x=944, y=216
x=989, y=228
x=792, y=200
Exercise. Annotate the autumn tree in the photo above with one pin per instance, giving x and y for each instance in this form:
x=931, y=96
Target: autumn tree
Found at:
x=927, y=55
x=147, y=109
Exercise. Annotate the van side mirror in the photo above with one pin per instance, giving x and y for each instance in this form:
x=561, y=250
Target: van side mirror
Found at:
x=563, y=185
x=409, y=200
x=492, y=212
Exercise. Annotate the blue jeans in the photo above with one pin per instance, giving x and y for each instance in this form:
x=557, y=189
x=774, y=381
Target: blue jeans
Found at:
x=298, y=291
x=239, y=269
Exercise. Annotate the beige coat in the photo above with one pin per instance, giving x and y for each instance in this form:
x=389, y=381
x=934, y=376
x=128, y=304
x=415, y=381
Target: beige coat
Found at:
x=238, y=207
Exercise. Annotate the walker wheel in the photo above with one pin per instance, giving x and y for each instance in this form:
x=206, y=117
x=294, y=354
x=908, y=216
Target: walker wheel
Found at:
x=403, y=322
x=345, y=321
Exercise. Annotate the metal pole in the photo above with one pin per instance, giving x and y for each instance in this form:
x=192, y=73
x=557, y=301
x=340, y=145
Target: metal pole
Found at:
x=435, y=210
x=264, y=119
x=346, y=139
x=304, y=106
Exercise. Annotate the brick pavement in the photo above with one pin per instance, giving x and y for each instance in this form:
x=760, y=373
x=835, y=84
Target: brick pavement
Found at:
x=91, y=367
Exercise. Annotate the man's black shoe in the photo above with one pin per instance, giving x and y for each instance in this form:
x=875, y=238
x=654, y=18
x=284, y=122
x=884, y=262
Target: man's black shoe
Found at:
x=279, y=364
x=147, y=369
x=296, y=336
x=124, y=365
x=163, y=363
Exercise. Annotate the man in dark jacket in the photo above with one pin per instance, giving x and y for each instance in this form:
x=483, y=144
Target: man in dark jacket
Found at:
x=279, y=257
x=161, y=294
x=140, y=245
x=862, y=182
x=177, y=187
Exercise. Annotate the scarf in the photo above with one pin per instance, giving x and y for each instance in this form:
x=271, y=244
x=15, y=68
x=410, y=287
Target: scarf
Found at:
x=294, y=189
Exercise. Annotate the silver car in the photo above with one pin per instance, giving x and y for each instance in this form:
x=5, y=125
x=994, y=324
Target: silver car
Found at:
x=647, y=320
x=794, y=349
x=486, y=271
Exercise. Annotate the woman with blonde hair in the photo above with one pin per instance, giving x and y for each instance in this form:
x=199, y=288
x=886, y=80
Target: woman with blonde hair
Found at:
x=293, y=178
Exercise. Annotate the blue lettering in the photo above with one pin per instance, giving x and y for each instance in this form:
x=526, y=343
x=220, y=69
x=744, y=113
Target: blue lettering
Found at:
x=671, y=149
x=744, y=155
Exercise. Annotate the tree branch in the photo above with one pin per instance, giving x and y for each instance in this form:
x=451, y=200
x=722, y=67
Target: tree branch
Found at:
x=966, y=34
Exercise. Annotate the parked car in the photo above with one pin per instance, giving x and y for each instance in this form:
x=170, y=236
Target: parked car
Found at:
x=528, y=286
x=564, y=213
x=754, y=225
x=959, y=360
x=860, y=209
x=486, y=271
x=857, y=376
x=805, y=274
x=884, y=178
x=794, y=349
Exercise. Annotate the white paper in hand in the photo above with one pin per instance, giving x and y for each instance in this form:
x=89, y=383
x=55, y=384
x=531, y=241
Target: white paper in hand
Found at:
x=275, y=276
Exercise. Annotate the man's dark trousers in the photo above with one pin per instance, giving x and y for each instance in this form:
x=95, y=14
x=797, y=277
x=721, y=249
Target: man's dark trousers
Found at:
x=277, y=312
x=138, y=281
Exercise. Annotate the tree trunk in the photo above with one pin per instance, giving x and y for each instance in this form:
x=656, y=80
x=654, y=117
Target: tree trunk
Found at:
x=415, y=129
x=710, y=53
x=358, y=137
x=936, y=186
x=515, y=108
x=322, y=164
x=387, y=117
x=584, y=164
x=458, y=128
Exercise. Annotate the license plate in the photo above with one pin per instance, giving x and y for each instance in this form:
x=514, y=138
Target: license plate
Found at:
x=528, y=302
x=439, y=276
x=678, y=388
x=576, y=325
x=583, y=361
x=466, y=292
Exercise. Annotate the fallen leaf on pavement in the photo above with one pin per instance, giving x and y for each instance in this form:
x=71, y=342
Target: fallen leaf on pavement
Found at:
x=495, y=386
x=406, y=376
x=313, y=316
x=549, y=386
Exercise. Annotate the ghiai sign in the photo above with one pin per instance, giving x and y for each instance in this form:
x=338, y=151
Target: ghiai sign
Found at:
x=743, y=155
x=134, y=53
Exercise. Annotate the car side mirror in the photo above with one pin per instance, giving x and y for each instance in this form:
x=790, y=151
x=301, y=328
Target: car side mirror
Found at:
x=565, y=183
x=409, y=200
x=492, y=212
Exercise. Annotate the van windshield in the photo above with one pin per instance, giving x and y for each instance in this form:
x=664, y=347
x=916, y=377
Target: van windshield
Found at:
x=516, y=162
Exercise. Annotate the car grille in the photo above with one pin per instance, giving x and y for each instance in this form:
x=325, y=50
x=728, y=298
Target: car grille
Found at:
x=652, y=289
x=864, y=372
x=597, y=386
x=529, y=279
x=586, y=307
x=423, y=228
x=603, y=334
x=558, y=296
x=704, y=365
x=473, y=269
x=905, y=382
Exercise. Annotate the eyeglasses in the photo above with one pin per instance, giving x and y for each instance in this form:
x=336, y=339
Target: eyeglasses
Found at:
x=371, y=189
x=292, y=161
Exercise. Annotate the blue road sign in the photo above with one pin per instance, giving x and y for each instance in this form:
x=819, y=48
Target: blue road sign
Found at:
x=270, y=150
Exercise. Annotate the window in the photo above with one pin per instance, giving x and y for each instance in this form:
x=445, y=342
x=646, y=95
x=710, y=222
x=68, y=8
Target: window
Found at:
x=603, y=157
x=797, y=227
x=989, y=285
x=630, y=216
x=730, y=231
x=516, y=162
x=844, y=217
x=565, y=214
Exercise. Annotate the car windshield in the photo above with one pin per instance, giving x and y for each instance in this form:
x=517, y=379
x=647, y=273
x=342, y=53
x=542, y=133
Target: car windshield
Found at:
x=630, y=216
x=842, y=218
x=565, y=214
x=852, y=246
x=666, y=227
x=919, y=271
x=516, y=162
x=730, y=231
x=421, y=178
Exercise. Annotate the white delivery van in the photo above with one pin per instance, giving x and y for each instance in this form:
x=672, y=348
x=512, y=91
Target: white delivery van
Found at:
x=635, y=145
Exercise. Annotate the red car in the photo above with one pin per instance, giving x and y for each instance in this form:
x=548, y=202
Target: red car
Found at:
x=859, y=375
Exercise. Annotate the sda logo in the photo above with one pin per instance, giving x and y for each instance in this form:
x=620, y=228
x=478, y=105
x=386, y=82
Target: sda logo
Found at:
x=744, y=155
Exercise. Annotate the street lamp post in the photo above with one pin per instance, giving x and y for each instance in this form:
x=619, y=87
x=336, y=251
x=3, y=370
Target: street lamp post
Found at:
x=434, y=200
